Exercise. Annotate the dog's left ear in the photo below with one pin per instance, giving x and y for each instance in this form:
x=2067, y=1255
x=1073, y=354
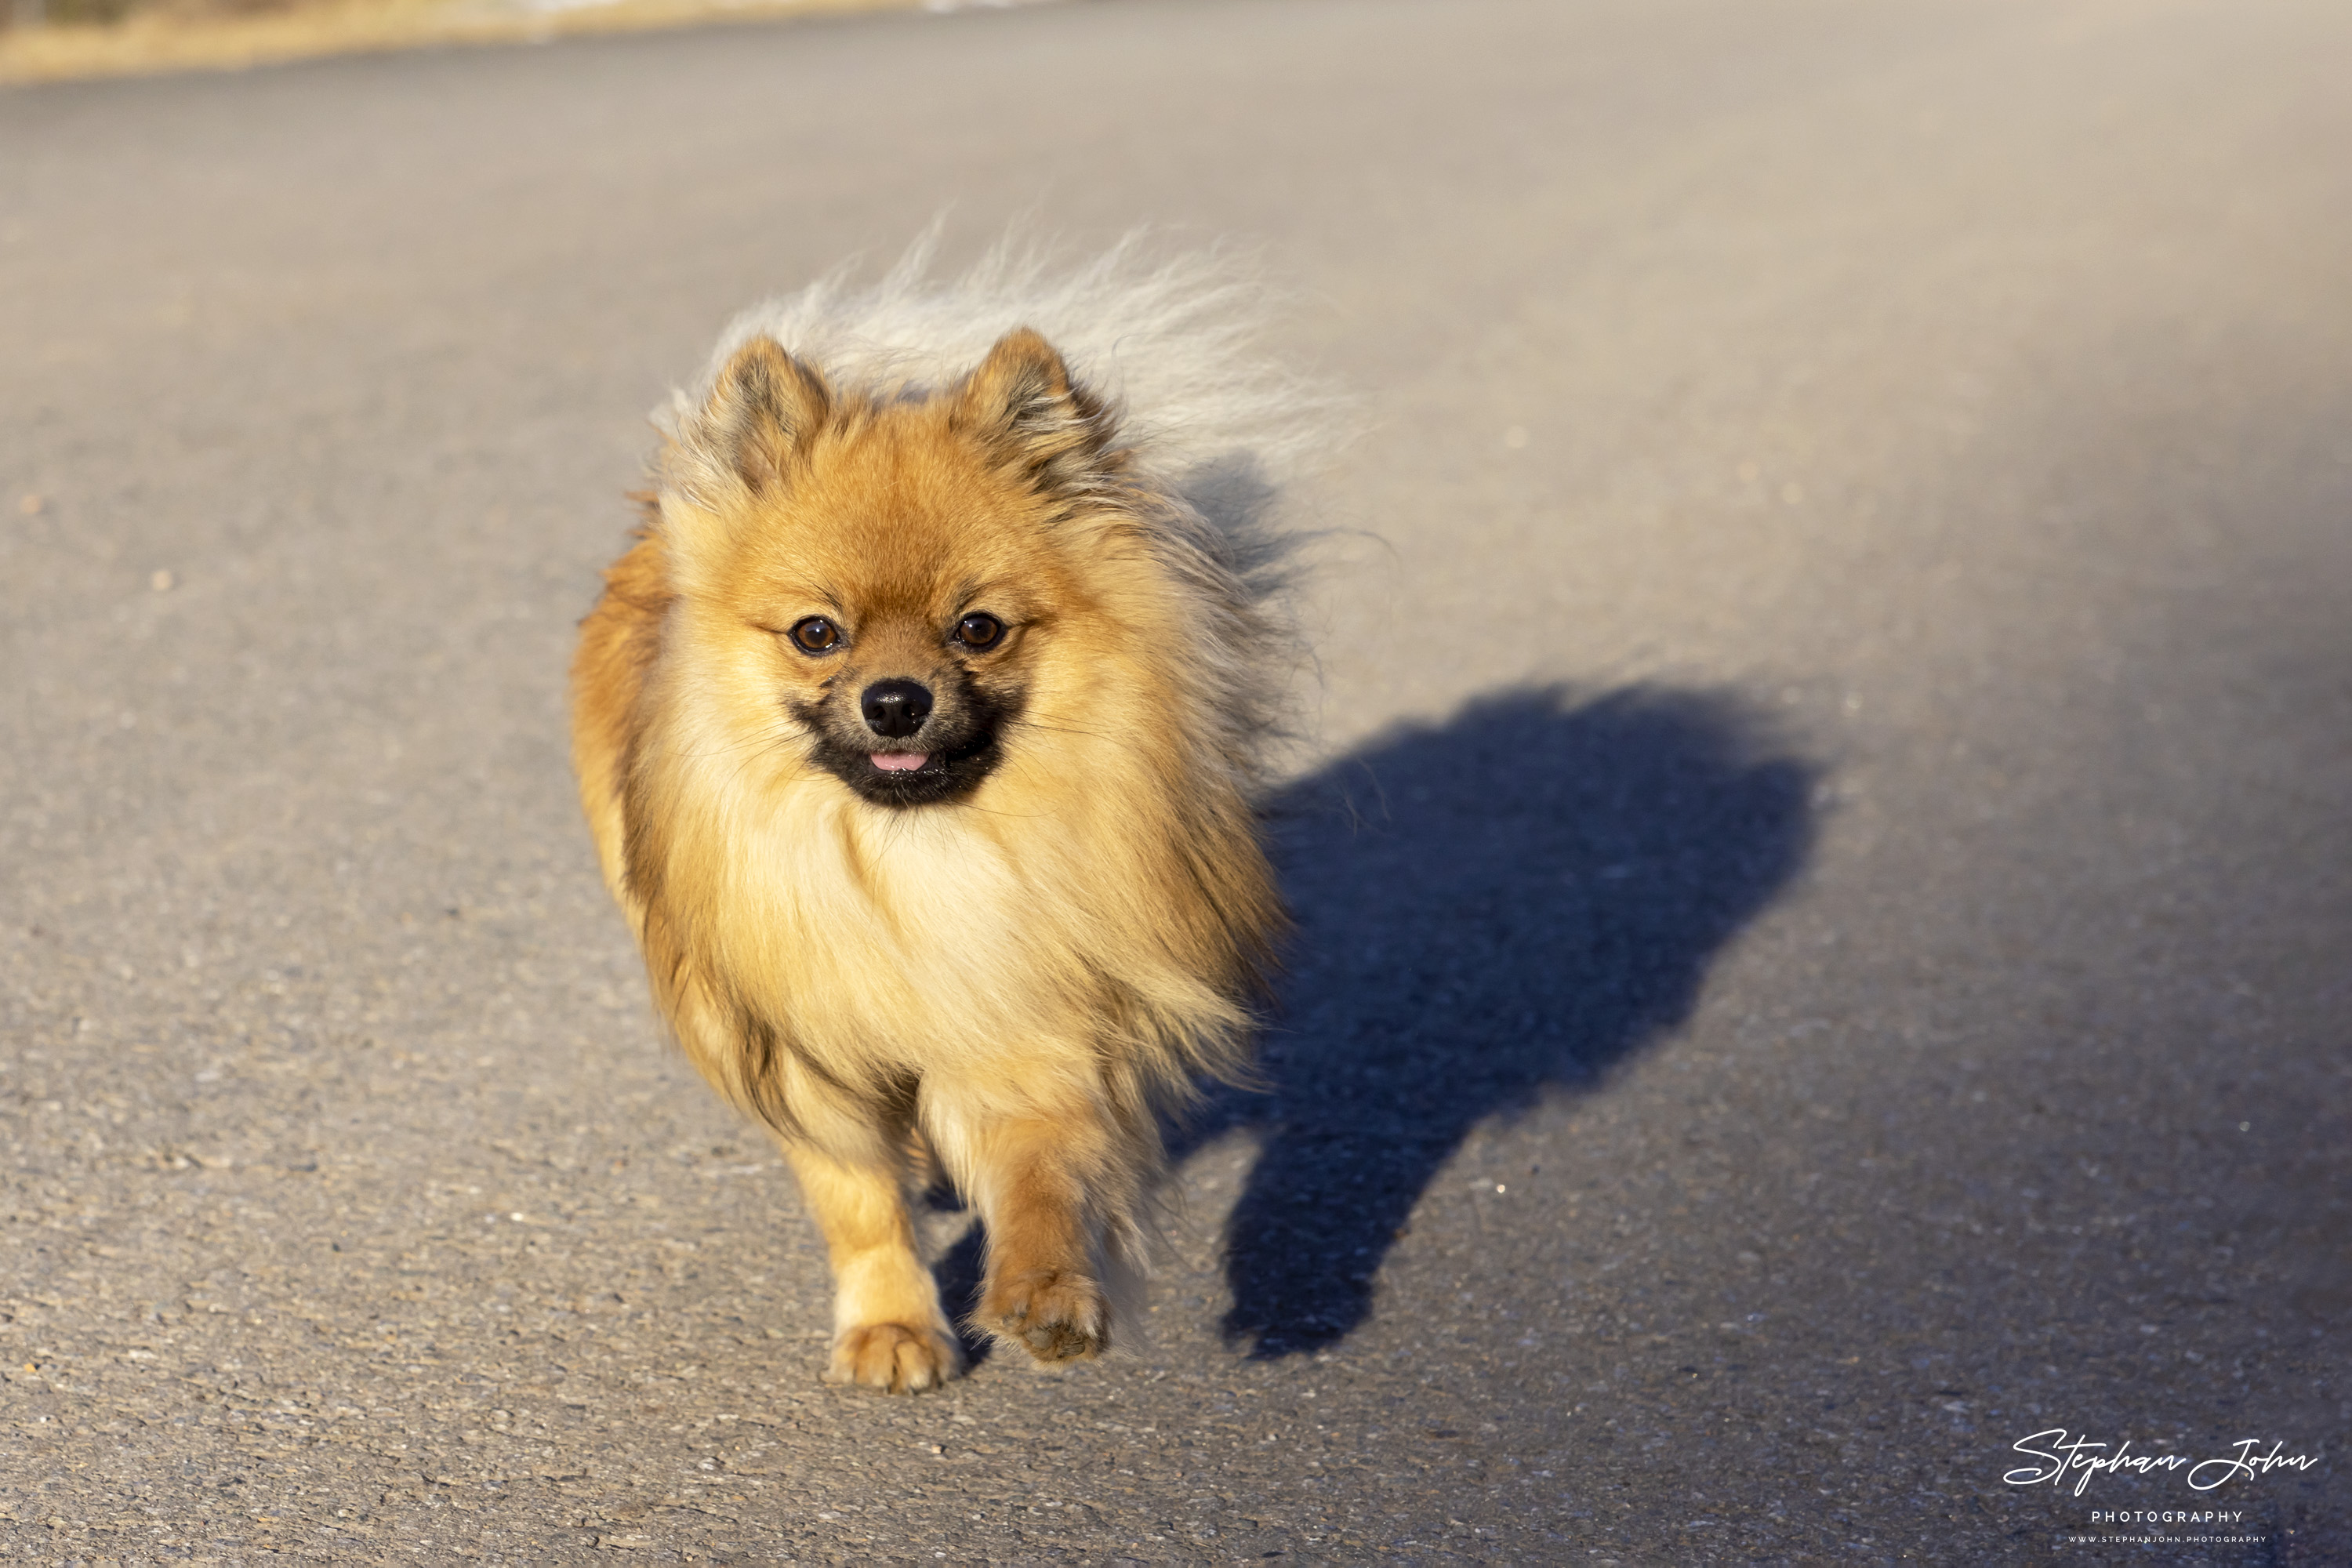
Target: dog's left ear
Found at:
x=1021, y=403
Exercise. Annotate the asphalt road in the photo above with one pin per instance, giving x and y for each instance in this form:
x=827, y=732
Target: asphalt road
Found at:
x=1824, y=852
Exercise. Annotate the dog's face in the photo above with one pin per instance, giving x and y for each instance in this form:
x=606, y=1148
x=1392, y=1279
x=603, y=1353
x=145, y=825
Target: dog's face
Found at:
x=884, y=583
x=903, y=610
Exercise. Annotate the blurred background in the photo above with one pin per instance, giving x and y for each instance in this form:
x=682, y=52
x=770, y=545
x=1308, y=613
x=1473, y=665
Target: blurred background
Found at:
x=53, y=40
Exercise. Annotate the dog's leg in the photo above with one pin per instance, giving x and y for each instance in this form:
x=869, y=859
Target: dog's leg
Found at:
x=1040, y=1183
x=888, y=1331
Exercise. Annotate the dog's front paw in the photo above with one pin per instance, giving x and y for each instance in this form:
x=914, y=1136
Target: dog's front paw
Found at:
x=894, y=1357
x=1052, y=1313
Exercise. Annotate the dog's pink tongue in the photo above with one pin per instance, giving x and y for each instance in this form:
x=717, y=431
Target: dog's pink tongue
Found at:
x=900, y=762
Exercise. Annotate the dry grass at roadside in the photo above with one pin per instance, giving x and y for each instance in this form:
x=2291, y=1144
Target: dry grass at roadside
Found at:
x=154, y=40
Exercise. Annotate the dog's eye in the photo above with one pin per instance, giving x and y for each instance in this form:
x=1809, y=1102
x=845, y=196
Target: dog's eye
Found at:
x=978, y=632
x=817, y=635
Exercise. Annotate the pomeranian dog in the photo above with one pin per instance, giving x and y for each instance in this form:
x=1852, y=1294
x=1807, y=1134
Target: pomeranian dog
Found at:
x=917, y=733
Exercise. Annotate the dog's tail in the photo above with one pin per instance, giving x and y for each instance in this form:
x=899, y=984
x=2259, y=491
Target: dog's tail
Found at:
x=1174, y=338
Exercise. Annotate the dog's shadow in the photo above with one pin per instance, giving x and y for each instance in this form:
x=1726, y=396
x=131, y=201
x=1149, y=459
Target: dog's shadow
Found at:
x=1512, y=900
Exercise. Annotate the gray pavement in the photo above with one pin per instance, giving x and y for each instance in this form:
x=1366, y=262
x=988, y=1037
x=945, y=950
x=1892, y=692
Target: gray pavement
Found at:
x=1823, y=855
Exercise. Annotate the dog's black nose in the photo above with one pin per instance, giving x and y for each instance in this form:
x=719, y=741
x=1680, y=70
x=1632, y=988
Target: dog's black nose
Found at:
x=895, y=709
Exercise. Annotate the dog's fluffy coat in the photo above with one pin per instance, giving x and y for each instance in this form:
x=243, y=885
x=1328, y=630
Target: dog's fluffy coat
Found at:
x=1012, y=950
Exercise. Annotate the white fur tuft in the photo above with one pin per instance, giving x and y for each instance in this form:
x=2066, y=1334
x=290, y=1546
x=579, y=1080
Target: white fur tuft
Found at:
x=1170, y=338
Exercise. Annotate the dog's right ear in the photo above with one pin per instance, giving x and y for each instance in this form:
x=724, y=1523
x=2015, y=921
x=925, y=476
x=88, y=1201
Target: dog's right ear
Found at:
x=760, y=414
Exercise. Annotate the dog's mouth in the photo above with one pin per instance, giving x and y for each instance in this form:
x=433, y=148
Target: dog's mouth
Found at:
x=962, y=751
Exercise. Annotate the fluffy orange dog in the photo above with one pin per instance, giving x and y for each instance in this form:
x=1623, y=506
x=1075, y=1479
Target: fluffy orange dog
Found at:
x=916, y=733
